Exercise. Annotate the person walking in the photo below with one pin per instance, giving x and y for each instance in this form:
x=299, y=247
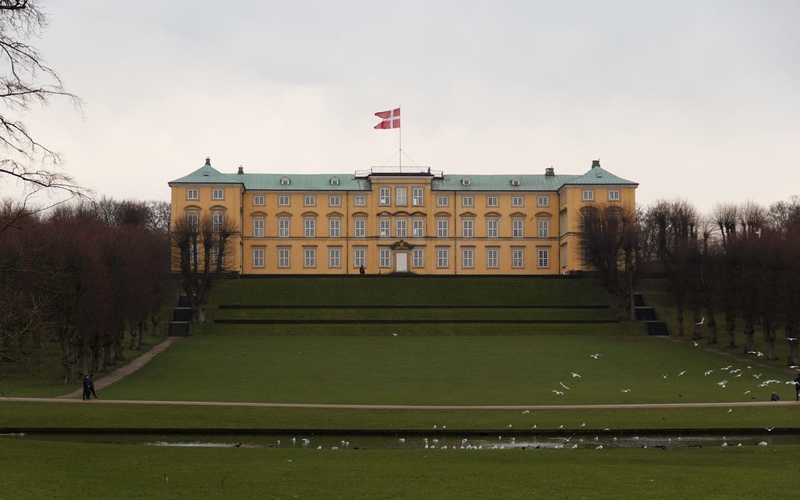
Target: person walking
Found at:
x=87, y=391
x=91, y=387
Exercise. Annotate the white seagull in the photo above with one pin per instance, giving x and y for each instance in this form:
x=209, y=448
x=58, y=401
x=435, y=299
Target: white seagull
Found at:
x=701, y=321
x=575, y=375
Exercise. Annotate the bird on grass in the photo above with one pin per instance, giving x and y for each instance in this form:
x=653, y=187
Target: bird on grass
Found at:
x=626, y=391
x=709, y=372
x=595, y=355
x=557, y=392
x=575, y=375
x=682, y=373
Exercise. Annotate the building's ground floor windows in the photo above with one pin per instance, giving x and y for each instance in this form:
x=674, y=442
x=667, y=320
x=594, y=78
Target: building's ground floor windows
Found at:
x=360, y=257
x=442, y=258
x=544, y=257
x=517, y=258
x=310, y=257
x=335, y=257
x=492, y=258
x=467, y=258
x=385, y=257
x=258, y=257
x=418, y=258
x=284, y=260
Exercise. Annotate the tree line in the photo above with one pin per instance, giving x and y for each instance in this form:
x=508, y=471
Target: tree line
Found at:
x=738, y=265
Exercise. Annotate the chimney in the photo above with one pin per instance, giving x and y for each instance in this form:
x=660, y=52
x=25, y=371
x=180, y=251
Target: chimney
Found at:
x=208, y=161
x=549, y=172
x=241, y=170
x=596, y=163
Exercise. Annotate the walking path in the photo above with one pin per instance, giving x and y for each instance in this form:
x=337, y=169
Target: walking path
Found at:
x=123, y=371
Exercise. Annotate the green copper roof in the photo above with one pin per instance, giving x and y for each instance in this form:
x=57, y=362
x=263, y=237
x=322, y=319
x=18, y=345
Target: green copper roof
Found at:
x=454, y=182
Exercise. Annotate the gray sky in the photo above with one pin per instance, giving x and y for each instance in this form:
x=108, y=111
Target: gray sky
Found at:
x=697, y=99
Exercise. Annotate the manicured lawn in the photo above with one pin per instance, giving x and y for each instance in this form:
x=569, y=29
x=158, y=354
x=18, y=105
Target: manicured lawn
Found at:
x=50, y=469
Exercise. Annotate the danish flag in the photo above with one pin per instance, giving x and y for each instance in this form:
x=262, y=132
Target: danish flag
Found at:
x=389, y=119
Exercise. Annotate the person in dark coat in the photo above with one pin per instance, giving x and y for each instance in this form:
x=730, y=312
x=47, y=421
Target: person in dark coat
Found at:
x=91, y=386
x=87, y=391
x=797, y=387
x=775, y=397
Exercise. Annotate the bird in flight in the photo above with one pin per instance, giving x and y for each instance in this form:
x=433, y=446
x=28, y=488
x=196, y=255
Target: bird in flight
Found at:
x=557, y=392
x=595, y=355
x=701, y=321
x=575, y=375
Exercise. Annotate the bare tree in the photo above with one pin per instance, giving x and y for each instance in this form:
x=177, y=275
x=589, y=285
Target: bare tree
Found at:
x=726, y=216
x=27, y=81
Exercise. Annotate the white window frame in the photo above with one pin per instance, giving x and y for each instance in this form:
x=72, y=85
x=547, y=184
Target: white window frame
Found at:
x=492, y=257
x=467, y=201
x=284, y=226
x=334, y=201
x=517, y=258
x=543, y=228
x=401, y=228
x=217, y=221
x=613, y=195
x=359, y=257
x=442, y=228
x=309, y=228
x=283, y=200
x=258, y=228
x=384, y=258
x=492, y=228
x=385, y=196
x=442, y=201
x=468, y=258
x=217, y=194
x=518, y=228
x=467, y=228
x=587, y=195
x=385, y=228
x=284, y=257
x=258, y=256
x=259, y=200
x=543, y=201
x=335, y=257
x=360, y=228
x=192, y=194
x=492, y=201
x=418, y=228
x=334, y=228
x=309, y=200
x=417, y=196
x=193, y=221
x=418, y=258
x=442, y=258
x=517, y=201
x=401, y=196
x=360, y=200
x=310, y=257
x=543, y=258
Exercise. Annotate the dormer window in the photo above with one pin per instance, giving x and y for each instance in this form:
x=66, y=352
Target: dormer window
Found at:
x=515, y=181
x=466, y=181
x=334, y=181
x=285, y=181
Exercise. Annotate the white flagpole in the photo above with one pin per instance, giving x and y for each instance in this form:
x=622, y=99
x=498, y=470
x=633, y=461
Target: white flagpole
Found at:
x=400, y=134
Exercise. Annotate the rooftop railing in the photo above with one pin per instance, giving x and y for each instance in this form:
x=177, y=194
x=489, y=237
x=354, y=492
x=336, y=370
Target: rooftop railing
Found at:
x=399, y=170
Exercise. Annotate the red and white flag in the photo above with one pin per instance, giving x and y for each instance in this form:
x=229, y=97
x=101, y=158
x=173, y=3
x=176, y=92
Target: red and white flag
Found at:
x=390, y=119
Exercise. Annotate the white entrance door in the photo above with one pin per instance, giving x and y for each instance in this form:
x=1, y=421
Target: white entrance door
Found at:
x=401, y=262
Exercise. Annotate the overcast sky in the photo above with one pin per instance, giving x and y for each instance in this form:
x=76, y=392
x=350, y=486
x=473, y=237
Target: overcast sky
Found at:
x=697, y=99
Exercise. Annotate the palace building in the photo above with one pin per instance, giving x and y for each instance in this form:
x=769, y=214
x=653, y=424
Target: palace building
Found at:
x=399, y=219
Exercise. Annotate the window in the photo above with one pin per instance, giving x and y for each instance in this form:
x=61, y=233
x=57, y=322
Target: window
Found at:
x=442, y=228
x=258, y=228
x=492, y=258
x=334, y=228
x=442, y=201
x=613, y=195
x=517, y=228
x=418, y=257
x=492, y=201
x=193, y=221
x=283, y=201
x=215, y=254
x=283, y=228
x=285, y=181
x=467, y=201
x=442, y=257
x=217, y=221
x=418, y=228
x=544, y=228
x=191, y=194
x=283, y=258
x=335, y=201
x=258, y=200
x=334, y=257
x=517, y=201
x=310, y=228
x=401, y=196
x=384, y=228
x=385, y=196
x=360, y=201
x=384, y=257
x=544, y=257
x=515, y=181
x=258, y=257
x=491, y=228
x=517, y=258
x=588, y=195
x=401, y=228
x=360, y=228
x=334, y=181
x=360, y=257
x=468, y=257
x=564, y=223
x=467, y=226
x=416, y=196
x=543, y=201
x=217, y=194
x=310, y=257
x=309, y=200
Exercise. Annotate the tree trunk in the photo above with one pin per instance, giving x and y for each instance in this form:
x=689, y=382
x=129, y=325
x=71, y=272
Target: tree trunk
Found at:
x=697, y=326
x=769, y=338
x=730, y=327
x=792, y=361
x=749, y=331
x=679, y=317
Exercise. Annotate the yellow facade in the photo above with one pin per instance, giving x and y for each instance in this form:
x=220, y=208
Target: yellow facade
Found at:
x=401, y=220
